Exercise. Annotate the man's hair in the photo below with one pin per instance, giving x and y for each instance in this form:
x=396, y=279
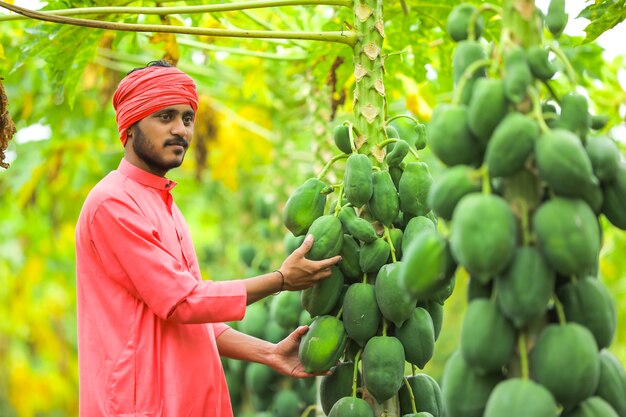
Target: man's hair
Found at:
x=159, y=63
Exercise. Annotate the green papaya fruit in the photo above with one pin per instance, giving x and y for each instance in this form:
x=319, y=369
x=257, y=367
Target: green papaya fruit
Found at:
x=383, y=367
x=511, y=144
x=465, y=54
x=285, y=309
x=396, y=173
x=604, y=156
x=396, y=236
x=477, y=289
x=592, y=407
x=483, y=235
x=465, y=392
x=525, y=287
x=594, y=197
x=599, y=121
x=517, y=74
x=397, y=154
x=565, y=360
x=449, y=187
x=413, y=228
x=323, y=344
x=337, y=385
x=357, y=179
x=587, y=302
x=614, y=203
x=518, y=397
x=361, y=315
x=575, y=115
x=305, y=320
x=612, y=383
x=450, y=138
x=255, y=320
x=350, y=255
x=567, y=234
x=410, y=131
x=247, y=253
x=426, y=392
x=539, y=64
x=417, y=335
x=322, y=296
x=292, y=242
x=445, y=292
x=341, y=137
x=384, y=204
x=328, y=238
x=556, y=18
x=304, y=205
x=374, y=255
x=457, y=24
x=357, y=227
x=259, y=378
x=435, y=310
x=487, y=337
x=286, y=403
x=395, y=304
x=413, y=189
x=425, y=266
x=486, y=108
x=351, y=407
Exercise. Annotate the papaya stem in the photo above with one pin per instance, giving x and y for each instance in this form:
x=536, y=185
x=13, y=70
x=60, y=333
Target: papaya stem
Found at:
x=355, y=374
x=559, y=310
x=537, y=114
x=339, y=313
x=364, y=278
x=414, y=153
x=551, y=91
x=523, y=354
x=526, y=237
x=485, y=180
x=385, y=326
x=308, y=410
x=471, y=30
x=351, y=129
x=413, y=370
x=467, y=74
x=339, y=197
x=397, y=116
x=408, y=386
x=387, y=237
x=569, y=70
x=330, y=163
x=386, y=142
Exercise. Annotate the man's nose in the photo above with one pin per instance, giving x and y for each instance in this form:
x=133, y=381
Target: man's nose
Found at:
x=178, y=127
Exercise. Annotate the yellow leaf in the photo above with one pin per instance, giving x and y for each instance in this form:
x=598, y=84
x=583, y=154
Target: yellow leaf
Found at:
x=1, y=52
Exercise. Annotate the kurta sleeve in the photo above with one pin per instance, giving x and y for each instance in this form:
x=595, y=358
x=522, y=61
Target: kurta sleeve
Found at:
x=130, y=245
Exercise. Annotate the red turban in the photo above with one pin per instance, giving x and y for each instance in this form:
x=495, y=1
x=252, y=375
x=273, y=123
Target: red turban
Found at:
x=150, y=89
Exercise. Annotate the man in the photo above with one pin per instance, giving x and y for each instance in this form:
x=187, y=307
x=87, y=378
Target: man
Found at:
x=150, y=330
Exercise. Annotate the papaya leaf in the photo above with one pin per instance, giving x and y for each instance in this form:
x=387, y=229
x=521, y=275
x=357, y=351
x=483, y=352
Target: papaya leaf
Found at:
x=604, y=15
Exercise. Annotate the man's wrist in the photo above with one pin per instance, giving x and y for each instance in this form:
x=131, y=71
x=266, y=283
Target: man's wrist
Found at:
x=282, y=281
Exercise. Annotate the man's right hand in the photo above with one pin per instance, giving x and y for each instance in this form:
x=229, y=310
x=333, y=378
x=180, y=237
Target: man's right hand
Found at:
x=301, y=273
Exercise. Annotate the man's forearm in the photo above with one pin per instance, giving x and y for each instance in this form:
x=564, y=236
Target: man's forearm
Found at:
x=236, y=345
x=263, y=285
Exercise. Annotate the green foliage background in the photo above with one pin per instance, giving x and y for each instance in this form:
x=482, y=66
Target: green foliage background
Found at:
x=268, y=107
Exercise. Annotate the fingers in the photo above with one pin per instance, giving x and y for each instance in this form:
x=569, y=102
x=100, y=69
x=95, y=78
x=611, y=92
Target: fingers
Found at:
x=299, y=332
x=327, y=263
x=306, y=245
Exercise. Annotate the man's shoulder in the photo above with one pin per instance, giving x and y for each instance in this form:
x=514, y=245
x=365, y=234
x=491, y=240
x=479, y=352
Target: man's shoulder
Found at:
x=110, y=188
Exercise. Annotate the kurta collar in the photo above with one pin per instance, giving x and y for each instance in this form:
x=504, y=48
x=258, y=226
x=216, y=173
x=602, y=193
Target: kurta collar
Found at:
x=145, y=178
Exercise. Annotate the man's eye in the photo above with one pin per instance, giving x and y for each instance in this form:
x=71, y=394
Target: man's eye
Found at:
x=165, y=116
x=188, y=119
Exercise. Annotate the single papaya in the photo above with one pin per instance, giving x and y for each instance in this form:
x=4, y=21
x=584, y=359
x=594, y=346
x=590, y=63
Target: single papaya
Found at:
x=604, y=156
x=525, y=287
x=292, y=242
x=357, y=227
x=413, y=189
x=397, y=154
x=612, y=384
x=285, y=309
x=259, y=378
x=374, y=255
x=445, y=292
x=575, y=115
x=304, y=205
x=487, y=337
x=450, y=138
x=565, y=360
x=337, y=385
x=426, y=392
x=465, y=54
x=483, y=235
x=322, y=296
x=457, y=24
x=351, y=407
x=614, y=203
x=563, y=163
x=541, y=67
x=341, y=137
x=413, y=228
x=357, y=179
x=449, y=187
x=395, y=304
x=286, y=403
x=435, y=310
x=486, y=108
x=599, y=121
x=556, y=18
x=511, y=144
x=396, y=236
x=323, y=344
x=328, y=238
x=567, y=234
x=592, y=407
x=517, y=74
x=383, y=367
x=396, y=173
x=255, y=320
x=417, y=335
x=518, y=397
x=350, y=254
x=587, y=302
x=425, y=266
x=384, y=204
x=465, y=392
x=410, y=131
x=361, y=315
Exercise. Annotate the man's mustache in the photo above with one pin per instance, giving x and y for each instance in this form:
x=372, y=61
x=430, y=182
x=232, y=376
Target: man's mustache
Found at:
x=177, y=141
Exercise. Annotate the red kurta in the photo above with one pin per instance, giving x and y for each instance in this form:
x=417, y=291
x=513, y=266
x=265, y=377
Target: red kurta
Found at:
x=144, y=347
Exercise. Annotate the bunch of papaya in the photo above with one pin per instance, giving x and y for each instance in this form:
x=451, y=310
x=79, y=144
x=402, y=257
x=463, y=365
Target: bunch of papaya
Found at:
x=530, y=175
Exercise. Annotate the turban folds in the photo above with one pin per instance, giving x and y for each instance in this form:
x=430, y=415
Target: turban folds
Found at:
x=150, y=89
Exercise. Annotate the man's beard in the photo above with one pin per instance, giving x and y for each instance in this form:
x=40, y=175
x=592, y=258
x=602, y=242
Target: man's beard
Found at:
x=145, y=150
